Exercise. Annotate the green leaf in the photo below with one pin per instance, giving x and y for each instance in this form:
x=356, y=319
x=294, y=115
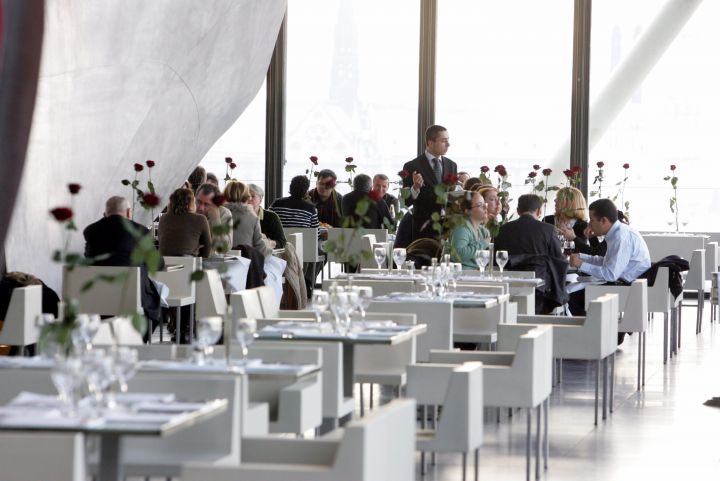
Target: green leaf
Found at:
x=197, y=276
x=87, y=285
x=125, y=182
x=667, y=177
x=151, y=187
x=135, y=183
x=139, y=323
x=362, y=207
x=435, y=216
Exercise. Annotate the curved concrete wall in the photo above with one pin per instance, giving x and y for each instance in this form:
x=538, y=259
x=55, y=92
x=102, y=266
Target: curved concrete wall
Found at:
x=122, y=81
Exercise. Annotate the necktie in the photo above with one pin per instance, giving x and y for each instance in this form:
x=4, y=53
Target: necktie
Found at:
x=437, y=169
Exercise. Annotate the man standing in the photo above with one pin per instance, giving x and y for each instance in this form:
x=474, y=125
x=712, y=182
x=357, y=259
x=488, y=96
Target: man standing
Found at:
x=425, y=172
x=626, y=259
x=209, y=200
x=381, y=185
x=532, y=245
x=327, y=200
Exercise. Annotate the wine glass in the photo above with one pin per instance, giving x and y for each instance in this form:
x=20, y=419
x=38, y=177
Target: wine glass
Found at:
x=125, y=365
x=67, y=375
x=380, y=255
x=364, y=297
x=446, y=259
x=482, y=258
x=399, y=255
x=84, y=333
x=426, y=274
x=99, y=375
x=340, y=307
x=568, y=247
x=501, y=257
x=245, y=333
x=207, y=332
x=455, y=271
x=320, y=301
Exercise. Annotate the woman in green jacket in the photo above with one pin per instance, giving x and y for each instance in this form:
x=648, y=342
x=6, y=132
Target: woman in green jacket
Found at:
x=471, y=235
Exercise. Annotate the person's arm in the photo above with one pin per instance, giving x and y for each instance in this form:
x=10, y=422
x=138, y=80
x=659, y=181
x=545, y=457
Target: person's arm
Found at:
x=276, y=231
x=613, y=263
x=464, y=244
x=408, y=183
x=205, y=240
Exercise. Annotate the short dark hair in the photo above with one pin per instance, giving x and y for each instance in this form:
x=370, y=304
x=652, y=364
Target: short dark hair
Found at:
x=197, y=177
x=362, y=183
x=529, y=203
x=381, y=177
x=299, y=186
x=472, y=181
x=212, y=178
x=326, y=173
x=433, y=131
x=604, y=208
x=208, y=188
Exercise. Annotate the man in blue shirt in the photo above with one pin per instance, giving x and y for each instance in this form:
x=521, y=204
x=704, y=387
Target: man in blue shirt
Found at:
x=626, y=259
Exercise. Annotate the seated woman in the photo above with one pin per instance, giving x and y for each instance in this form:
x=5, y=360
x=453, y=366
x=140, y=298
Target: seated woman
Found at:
x=270, y=224
x=471, y=235
x=181, y=231
x=570, y=218
x=246, y=226
x=493, y=206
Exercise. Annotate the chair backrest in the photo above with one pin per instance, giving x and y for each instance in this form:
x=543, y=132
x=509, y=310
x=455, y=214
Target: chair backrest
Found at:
x=695, y=280
x=309, y=242
x=269, y=302
x=659, y=296
x=712, y=258
x=246, y=304
x=379, y=287
x=633, y=301
x=178, y=281
x=34, y=456
x=379, y=358
x=664, y=245
x=296, y=240
x=20, y=328
x=601, y=324
x=210, y=296
x=438, y=316
x=104, y=298
x=118, y=330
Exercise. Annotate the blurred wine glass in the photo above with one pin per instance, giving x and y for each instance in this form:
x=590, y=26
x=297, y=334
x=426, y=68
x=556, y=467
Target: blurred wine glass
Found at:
x=207, y=332
x=245, y=334
x=380, y=254
x=319, y=303
x=501, y=257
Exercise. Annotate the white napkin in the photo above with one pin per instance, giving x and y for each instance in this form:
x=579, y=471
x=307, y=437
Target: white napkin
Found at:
x=139, y=397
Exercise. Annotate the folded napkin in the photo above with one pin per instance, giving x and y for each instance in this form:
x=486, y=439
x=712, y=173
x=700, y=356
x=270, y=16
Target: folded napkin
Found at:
x=123, y=417
x=167, y=407
x=140, y=397
x=35, y=400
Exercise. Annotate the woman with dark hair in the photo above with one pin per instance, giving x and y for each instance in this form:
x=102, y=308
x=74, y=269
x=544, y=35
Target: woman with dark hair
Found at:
x=471, y=235
x=246, y=226
x=181, y=231
x=197, y=178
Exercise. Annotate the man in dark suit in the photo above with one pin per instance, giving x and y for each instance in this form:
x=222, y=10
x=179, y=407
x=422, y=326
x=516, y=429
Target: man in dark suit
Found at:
x=112, y=238
x=532, y=245
x=381, y=184
x=377, y=215
x=425, y=172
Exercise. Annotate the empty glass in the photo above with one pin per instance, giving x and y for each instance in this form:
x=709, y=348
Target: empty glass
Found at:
x=399, y=255
x=482, y=258
x=501, y=257
x=380, y=255
x=245, y=333
x=319, y=303
x=99, y=376
x=67, y=376
x=455, y=271
x=125, y=365
x=340, y=307
x=87, y=326
x=207, y=332
x=362, y=301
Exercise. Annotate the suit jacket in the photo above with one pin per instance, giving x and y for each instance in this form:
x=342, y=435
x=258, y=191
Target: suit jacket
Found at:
x=391, y=200
x=425, y=203
x=527, y=235
x=376, y=213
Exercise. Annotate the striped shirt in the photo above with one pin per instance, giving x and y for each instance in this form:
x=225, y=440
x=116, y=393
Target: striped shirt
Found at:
x=295, y=212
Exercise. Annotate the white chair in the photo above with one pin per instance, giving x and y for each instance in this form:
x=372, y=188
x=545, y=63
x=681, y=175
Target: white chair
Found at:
x=378, y=447
x=517, y=376
x=633, y=301
x=695, y=281
x=117, y=330
x=310, y=252
x=246, y=304
x=592, y=338
x=660, y=300
x=712, y=260
x=459, y=390
x=104, y=298
x=210, y=296
x=714, y=296
x=39, y=456
x=268, y=301
x=182, y=288
x=20, y=325
x=296, y=240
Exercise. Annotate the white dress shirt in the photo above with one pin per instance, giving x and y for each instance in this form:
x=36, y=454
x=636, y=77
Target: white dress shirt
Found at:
x=627, y=256
x=414, y=193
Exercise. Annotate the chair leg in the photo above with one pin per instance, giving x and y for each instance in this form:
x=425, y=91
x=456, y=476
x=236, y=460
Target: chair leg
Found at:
x=477, y=462
x=612, y=381
x=371, y=396
x=605, y=387
x=538, y=419
x=639, y=363
x=362, y=402
x=546, y=439
x=644, y=343
x=560, y=373
x=527, y=444
x=597, y=386
x=701, y=305
x=178, y=326
x=422, y=463
x=433, y=415
x=665, y=338
x=464, y=457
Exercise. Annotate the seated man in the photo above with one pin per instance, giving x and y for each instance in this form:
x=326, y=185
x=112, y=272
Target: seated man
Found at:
x=626, y=259
x=532, y=245
x=208, y=201
x=377, y=215
x=116, y=236
x=381, y=184
x=326, y=199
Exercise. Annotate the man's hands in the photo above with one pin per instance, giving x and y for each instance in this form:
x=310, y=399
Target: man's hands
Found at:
x=418, y=180
x=575, y=260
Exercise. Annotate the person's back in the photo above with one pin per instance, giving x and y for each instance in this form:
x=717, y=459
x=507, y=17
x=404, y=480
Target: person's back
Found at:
x=186, y=234
x=527, y=235
x=377, y=210
x=246, y=228
x=293, y=211
x=111, y=237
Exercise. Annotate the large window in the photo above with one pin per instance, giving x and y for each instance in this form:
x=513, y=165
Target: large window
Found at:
x=670, y=118
x=352, y=85
x=504, y=74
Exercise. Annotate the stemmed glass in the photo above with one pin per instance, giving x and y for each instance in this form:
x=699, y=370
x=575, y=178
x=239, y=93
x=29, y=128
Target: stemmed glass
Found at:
x=245, y=333
x=399, y=255
x=568, y=247
x=338, y=304
x=320, y=302
x=125, y=365
x=380, y=255
x=87, y=328
x=99, y=375
x=67, y=375
x=426, y=273
x=207, y=332
x=482, y=258
x=455, y=271
x=364, y=297
x=501, y=257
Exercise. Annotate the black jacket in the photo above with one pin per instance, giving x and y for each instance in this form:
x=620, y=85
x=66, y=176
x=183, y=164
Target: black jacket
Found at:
x=425, y=204
x=256, y=272
x=376, y=214
x=675, y=265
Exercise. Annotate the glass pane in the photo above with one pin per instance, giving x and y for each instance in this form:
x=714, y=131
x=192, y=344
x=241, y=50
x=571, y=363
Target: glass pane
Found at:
x=352, y=78
x=670, y=118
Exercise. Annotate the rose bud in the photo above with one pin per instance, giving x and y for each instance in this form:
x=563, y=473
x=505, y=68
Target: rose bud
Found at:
x=532, y=174
x=138, y=167
x=536, y=167
x=218, y=200
x=626, y=166
x=349, y=160
x=150, y=163
x=547, y=172
x=403, y=173
x=151, y=200
x=228, y=160
x=672, y=167
x=62, y=214
x=74, y=188
x=484, y=169
x=600, y=164
x=374, y=195
x=232, y=165
x=314, y=159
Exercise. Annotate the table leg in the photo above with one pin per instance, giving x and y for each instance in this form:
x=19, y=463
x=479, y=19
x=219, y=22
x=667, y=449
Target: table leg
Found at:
x=110, y=467
x=348, y=368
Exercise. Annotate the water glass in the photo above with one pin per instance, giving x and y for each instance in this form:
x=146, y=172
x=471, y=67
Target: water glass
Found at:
x=125, y=365
x=482, y=258
x=99, y=375
x=207, y=333
x=380, y=254
x=67, y=376
x=501, y=257
x=245, y=333
x=319, y=303
x=399, y=255
x=455, y=271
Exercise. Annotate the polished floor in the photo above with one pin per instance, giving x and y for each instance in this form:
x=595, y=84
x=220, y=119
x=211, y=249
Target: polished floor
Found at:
x=662, y=432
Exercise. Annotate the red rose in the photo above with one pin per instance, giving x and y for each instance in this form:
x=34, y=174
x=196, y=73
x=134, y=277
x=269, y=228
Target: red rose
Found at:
x=484, y=169
x=349, y=160
x=74, y=188
x=626, y=166
x=547, y=172
x=330, y=183
x=672, y=167
x=536, y=167
x=576, y=169
x=569, y=173
x=500, y=169
x=232, y=165
x=228, y=160
x=374, y=195
x=151, y=200
x=218, y=200
x=150, y=163
x=138, y=167
x=451, y=179
x=62, y=214
x=403, y=173
x=600, y=164
x=532, y=174
x=314, y=159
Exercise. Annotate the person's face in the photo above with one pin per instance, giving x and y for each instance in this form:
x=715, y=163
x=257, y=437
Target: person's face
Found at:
x=204, y=203
x=380, y=185
x=254, y=201
x=599, y=226
x=462, y=178
x=321, y=187
x=493, y=203
x=478, y=212
x=440, y=145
